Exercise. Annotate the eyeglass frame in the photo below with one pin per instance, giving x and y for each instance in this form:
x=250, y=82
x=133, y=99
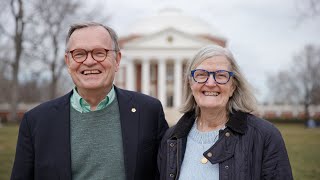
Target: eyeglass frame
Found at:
x=213, y=75
x=87, y=52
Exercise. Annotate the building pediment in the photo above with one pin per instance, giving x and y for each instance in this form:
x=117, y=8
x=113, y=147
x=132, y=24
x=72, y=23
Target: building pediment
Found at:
x=167, y=39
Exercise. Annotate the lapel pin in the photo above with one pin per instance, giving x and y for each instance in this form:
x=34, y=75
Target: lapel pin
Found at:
x=133, y=110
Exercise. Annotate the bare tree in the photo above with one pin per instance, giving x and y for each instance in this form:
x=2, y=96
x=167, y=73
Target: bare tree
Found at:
x=17, y=10
x=54, y=18
x=309, y=8
x=30, y=89
x=13, y=26
x=300, y=82
x=4, y=81
x=45, y=22
x=5, y=55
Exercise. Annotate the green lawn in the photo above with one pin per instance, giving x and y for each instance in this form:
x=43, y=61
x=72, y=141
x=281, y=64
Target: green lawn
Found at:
x=8, y=140
x=303, y=147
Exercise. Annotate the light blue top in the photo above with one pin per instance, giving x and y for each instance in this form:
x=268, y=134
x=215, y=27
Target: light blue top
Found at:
x=197, y=143
x=79, y=104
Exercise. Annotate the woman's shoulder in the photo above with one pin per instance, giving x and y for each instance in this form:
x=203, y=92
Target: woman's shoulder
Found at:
x=262, y=126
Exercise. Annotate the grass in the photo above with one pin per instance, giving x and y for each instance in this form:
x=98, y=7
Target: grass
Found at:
x=303, y=148
x=302, y=144
x=8, y=140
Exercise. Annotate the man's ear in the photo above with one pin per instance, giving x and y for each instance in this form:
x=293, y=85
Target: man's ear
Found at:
x=118, y=59
x=67, y=61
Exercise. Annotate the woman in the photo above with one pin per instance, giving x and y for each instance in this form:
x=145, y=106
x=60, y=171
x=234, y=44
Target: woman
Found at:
x=218, y=137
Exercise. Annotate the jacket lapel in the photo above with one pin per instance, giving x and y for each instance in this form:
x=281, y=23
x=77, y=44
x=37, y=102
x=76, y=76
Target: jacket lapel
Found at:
x=129, y=118
x=63, y=149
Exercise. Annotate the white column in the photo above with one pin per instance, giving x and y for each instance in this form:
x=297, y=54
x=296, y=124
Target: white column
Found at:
x=162, y=88
x=146, y=76
x=177, y=82
x=130, y=76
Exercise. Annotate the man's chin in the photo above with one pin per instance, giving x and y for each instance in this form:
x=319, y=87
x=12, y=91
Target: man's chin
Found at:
x=94, y=86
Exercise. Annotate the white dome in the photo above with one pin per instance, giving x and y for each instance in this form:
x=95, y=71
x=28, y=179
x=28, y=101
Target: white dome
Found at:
x=173, y=18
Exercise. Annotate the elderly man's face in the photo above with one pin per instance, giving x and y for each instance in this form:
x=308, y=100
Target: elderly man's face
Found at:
x=210, y=95
x=91, y=74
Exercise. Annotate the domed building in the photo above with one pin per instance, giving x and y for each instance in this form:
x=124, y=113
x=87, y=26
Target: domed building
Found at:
x=155, y=53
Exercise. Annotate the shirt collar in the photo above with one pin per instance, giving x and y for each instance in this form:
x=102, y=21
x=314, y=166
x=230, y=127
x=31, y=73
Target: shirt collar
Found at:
x=79, y=104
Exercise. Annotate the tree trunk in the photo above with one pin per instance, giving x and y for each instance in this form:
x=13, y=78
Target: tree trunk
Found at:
x=18, y=39
x=54, y=62
x=53, y=86
x=14, y=95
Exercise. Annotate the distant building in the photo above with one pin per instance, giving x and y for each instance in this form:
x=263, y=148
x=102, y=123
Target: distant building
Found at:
x=156, y=51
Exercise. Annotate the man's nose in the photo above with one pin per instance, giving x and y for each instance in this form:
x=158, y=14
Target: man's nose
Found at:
x=89, y=60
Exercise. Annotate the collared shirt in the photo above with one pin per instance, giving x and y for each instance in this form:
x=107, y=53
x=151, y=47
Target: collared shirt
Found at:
x=79, y=104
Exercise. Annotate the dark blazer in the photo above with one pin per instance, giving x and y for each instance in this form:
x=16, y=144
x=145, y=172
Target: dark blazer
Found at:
x=248, y=148
x=44, y=151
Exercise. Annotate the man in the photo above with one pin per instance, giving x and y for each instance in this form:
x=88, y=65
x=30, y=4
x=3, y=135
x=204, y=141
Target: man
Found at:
x=97, y=131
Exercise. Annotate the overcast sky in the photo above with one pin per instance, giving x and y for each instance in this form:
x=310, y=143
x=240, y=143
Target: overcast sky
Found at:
x=263, y=35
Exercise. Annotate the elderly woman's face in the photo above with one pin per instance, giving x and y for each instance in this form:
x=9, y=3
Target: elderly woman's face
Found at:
x=211, y=94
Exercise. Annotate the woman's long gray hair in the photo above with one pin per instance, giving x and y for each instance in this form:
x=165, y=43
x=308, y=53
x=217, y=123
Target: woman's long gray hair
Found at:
x=242, y=99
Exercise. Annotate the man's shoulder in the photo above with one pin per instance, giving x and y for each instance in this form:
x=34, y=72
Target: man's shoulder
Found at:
x=136, y=96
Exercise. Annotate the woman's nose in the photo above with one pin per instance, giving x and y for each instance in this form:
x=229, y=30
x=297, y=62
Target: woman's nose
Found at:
x=211, y=80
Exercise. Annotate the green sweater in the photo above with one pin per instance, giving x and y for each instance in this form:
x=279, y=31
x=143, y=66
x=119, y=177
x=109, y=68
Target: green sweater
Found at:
x=96, y=144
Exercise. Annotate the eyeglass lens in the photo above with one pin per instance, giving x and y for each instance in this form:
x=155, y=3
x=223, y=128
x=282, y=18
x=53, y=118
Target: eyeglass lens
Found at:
x=220, y=76
x=81, y=55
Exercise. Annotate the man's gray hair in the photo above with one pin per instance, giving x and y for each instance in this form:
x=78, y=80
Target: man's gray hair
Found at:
x=112, y=33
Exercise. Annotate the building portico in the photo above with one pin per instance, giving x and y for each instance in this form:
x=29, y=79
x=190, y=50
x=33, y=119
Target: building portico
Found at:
x=161, y=78
x=154, y=61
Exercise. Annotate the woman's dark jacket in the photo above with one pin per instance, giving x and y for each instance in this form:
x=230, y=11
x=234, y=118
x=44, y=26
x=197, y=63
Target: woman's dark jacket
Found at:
x=249, y=148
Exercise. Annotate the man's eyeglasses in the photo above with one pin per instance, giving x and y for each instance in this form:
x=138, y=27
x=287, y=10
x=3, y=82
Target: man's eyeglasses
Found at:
x=220, y=76
x=98, y=54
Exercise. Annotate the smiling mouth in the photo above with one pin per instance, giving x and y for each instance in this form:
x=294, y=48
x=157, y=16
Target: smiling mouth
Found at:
x=89, y=72
x=206, y=93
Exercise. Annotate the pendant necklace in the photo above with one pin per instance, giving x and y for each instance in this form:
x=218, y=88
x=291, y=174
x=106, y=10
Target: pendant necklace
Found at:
x=204, y=160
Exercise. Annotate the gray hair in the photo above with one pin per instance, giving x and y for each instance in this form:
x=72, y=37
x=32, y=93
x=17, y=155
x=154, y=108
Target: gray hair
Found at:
x=242, y=99
x=112, y=33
